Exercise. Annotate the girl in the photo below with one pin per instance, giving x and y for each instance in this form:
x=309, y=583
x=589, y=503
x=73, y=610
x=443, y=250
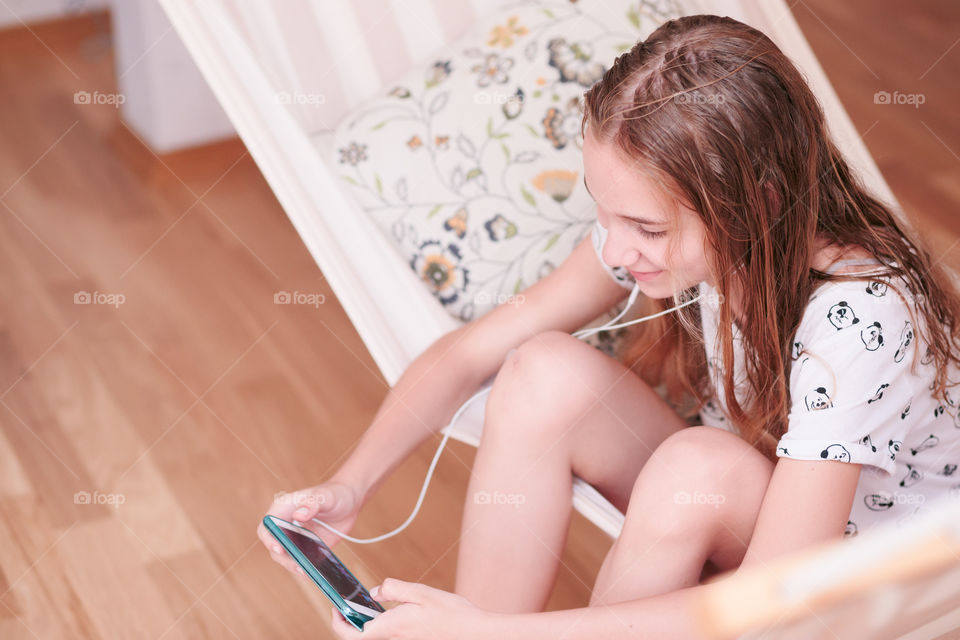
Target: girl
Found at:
x=817, y=361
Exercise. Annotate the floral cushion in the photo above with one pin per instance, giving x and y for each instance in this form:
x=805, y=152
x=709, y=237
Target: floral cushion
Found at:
x=473, y=164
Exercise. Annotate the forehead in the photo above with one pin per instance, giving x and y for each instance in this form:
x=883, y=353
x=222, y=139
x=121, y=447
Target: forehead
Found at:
x=623, y=185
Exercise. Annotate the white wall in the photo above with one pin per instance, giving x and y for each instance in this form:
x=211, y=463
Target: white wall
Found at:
x=165, y=98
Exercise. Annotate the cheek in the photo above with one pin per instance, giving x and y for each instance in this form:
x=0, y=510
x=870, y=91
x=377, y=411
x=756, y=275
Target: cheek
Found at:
x=689, y=256
x=657, y=253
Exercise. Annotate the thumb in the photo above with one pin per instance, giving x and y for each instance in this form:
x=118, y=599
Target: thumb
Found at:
x=393, y=590
x=312, y=502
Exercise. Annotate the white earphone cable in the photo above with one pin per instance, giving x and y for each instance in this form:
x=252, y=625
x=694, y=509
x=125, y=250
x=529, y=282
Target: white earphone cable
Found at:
x=446, y=436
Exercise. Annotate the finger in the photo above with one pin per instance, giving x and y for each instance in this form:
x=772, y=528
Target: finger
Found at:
x=285, y=504
x=294, y=568
x=290, y=565
x=311, y=502
x=268, y=540
x=285, y=561
x=344, y=629
x=393, y=590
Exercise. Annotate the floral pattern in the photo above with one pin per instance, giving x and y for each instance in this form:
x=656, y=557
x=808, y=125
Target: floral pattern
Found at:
x=493, y=68
x=575, y=62
x=556, y=183
x=353, y=154
x=436, y=73
x=472, y=164
x=562, y=125
x=503, y=35
x=438, y=265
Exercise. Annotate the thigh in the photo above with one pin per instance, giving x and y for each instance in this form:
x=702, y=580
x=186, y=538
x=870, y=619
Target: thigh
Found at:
x=607, y=418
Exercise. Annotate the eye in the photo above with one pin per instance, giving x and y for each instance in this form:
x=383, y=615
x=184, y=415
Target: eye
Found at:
x=653, y=235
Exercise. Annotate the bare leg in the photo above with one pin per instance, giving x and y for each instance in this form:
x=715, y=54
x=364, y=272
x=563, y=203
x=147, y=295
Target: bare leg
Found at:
x=696, y=501
x=558, y=407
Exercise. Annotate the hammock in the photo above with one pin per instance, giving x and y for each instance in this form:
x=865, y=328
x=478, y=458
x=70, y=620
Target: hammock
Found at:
x=250, y=51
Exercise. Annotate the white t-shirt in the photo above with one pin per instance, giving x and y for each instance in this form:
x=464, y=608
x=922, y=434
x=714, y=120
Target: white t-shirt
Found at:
x=854, y=398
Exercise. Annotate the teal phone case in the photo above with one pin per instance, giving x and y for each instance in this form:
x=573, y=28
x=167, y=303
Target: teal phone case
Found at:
x=356, y=618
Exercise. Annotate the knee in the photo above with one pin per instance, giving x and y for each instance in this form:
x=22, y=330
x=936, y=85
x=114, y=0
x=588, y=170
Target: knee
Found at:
x=538, y=380
x=694, y=455
x=693, y=477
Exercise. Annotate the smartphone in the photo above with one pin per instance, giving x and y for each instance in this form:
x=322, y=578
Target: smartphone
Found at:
x=334, y=579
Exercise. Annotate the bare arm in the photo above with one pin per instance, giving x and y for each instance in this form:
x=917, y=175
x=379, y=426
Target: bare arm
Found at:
x=452, y=369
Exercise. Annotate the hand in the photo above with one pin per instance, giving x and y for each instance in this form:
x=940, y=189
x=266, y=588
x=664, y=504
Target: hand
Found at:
x=424, y=612
x=336, y=503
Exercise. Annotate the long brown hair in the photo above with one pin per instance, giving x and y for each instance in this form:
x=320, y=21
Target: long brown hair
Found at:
x=729, y=126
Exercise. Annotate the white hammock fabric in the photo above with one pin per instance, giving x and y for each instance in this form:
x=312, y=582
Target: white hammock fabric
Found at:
x=253, y=52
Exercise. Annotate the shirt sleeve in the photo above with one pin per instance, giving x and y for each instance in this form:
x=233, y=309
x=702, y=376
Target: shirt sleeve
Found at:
x=851, y=382
x=619, y=274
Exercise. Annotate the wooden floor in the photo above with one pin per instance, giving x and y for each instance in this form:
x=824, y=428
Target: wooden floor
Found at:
x=197, y=398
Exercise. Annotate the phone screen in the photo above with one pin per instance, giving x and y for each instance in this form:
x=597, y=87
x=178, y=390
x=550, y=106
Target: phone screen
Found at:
x=332, y=569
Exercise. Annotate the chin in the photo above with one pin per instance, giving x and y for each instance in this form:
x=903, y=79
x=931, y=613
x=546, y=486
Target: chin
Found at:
x=655, y=290
x=663, y=288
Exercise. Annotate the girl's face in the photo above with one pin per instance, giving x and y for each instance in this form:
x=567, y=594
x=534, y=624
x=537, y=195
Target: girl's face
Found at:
x=663, y=258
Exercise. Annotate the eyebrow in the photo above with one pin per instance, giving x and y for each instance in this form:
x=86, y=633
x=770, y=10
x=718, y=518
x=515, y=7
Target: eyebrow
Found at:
x=621, y=215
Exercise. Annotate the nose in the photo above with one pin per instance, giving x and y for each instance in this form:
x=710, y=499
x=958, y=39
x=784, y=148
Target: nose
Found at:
x=617, y=251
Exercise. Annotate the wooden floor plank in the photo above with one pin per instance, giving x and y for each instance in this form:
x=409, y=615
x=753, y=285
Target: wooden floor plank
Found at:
x=198, y=398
